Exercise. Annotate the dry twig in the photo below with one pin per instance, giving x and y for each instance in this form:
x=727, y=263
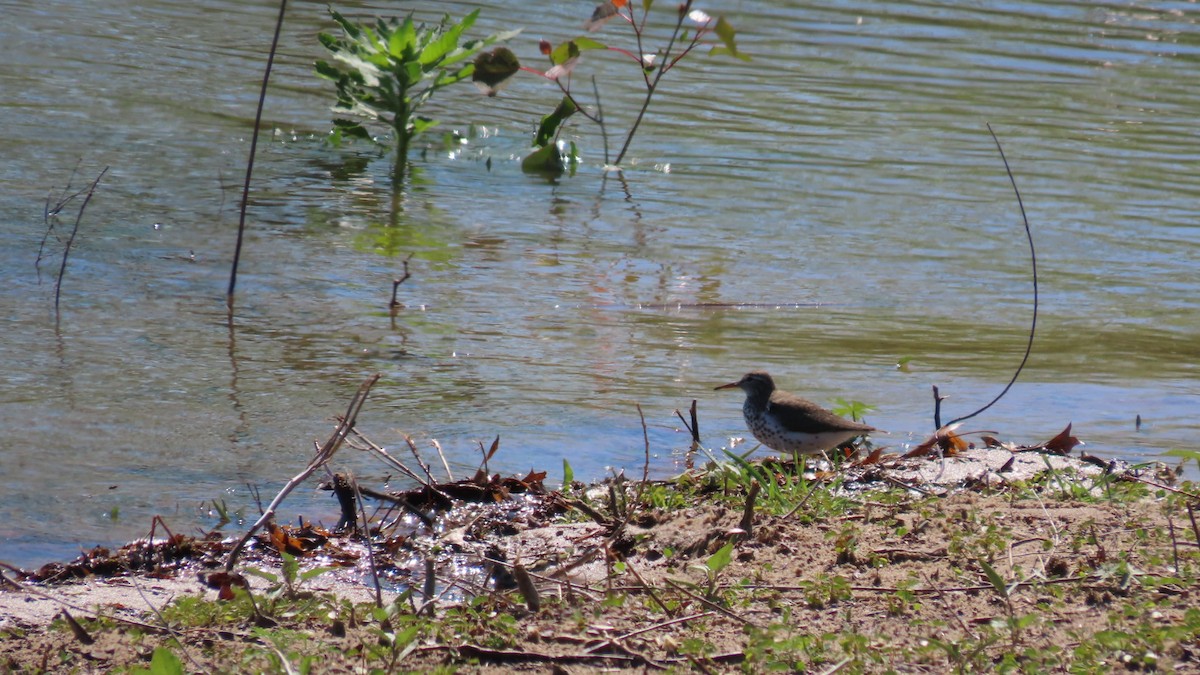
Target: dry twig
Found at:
x=326, y=453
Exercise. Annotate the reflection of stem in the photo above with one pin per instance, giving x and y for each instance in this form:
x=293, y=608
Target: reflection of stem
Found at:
x=403, y=137
x=234, y=390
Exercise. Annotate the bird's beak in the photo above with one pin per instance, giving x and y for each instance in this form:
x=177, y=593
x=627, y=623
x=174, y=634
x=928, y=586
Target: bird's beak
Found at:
x=731, y=385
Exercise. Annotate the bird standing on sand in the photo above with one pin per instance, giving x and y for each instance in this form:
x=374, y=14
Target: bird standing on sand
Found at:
x=787, y=423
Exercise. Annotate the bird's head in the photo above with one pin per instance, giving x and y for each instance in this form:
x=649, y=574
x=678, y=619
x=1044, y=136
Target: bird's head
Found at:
x=756, y=383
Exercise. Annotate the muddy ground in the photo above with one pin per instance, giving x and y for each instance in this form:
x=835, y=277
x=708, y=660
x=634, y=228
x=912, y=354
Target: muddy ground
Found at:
x=983, y=571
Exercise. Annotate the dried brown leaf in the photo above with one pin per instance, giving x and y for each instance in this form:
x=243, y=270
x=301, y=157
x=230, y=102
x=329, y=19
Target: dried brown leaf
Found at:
x=492, y=452
x=1063, y=443
x=922, y=449
x=223, y=583
x=872, y=458
x=945, y=439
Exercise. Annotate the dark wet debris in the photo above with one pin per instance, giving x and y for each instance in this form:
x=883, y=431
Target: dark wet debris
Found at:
x=474, y=510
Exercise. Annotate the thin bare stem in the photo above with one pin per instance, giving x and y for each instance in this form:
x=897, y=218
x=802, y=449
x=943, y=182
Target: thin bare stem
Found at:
x=1195, y=528
x=1033, y=266
x=646, y=465
x=262, y=96
x=442, y=456
x=599, y=118
x=366, y=531
x=652, y=85
x=361, y=442
x=711, y=605
x=50, y=214
x=1174, y=542
x=395, y=304
x=71, y=239
x=417, y=454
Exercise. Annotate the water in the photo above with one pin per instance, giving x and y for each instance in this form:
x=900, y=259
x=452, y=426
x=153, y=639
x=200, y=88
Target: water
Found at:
x=823, y=211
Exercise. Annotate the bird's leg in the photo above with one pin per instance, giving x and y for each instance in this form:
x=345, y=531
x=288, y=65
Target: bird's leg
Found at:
x=828, y=460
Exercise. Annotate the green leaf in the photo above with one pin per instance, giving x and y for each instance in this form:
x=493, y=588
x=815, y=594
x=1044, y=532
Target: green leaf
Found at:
x=503, y=36
x=550, y=123
x=408, y=34
x=274, y=579
x=748, y=469
x=721, y=559
x=327, y=71
x=450, y=77
x=351, y=129
x=545, y=159
x=1185, y=454
x=435, y=51
x=585, y=43
x=164, y=662
x=289, y=567
x=468, y=21
x=445, y=49
x=401, y=41
x=568, y=474
x=564, y=52
x=995, y=578
x=365, y=69
x=315, y=572
x=420, y=124
x=347, y=27
x=725, y=31
x=855, y=410
x=614, y=600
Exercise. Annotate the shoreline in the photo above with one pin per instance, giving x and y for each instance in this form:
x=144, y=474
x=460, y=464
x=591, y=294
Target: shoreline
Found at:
x=674, y=574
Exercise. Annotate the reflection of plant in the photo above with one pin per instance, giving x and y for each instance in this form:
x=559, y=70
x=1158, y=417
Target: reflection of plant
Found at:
x=690, y=26
x=386, y=72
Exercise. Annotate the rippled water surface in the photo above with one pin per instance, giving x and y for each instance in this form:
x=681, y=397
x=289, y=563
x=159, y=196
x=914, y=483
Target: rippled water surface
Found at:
x=825, y=210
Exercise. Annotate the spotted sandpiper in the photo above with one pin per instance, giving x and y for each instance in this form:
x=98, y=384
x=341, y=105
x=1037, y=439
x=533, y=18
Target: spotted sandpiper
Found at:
x=787, y=423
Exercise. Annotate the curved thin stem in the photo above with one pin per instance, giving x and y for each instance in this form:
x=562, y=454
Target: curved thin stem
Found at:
x=1033, y=264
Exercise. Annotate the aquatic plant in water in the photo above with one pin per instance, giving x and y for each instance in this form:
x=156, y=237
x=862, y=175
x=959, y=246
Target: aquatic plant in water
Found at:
x=684, y=35
x=386, y=71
